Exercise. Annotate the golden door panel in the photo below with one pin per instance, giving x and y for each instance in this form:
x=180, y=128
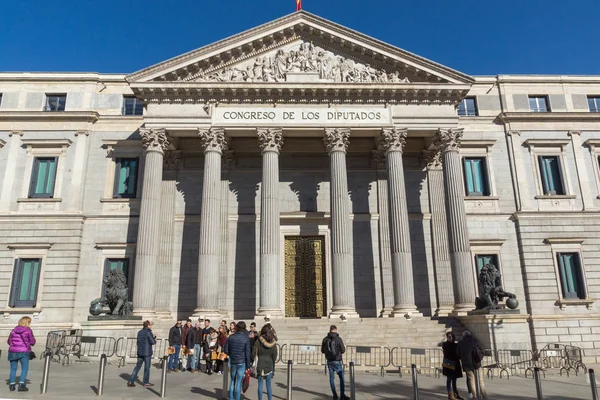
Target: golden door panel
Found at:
x=304, y=277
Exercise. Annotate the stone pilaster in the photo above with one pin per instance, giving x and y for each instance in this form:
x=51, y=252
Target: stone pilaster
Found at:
x=392, y=143
x=448, y=141
x=167, y=220
x=155, y=143
x=270, y=142
x=336, y=142
x=439, y=234
x=214, y=143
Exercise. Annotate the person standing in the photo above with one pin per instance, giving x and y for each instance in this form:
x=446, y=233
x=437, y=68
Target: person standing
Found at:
x=265, y=354
x=238, y=349
x=451, y=366
x=224, y=325
x=232, y=327
x=196, y=354
x=190, y=344
x=145, y=340
x=186, y=350
x=253, y=334
x=221, y=340
x=175, y=342
x=471, y=352
x=211, y=345
x=333, y=348
x=20, y=341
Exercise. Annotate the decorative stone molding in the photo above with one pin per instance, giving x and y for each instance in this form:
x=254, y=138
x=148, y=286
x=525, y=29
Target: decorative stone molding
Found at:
x=270, y=139
x=20, y=133
x=226, y=158
x=154, y=139
x=392, y=139
x=433, y=158
x=172, y=158
x=86, y=133
x=379, y=158
x=336, y=139
x=213, y=139
x=449, y=139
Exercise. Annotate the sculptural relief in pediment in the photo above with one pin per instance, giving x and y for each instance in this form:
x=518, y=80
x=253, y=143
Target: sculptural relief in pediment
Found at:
x=301, y=62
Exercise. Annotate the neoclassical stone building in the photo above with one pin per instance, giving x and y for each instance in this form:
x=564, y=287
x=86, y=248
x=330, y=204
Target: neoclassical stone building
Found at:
x=302, y=169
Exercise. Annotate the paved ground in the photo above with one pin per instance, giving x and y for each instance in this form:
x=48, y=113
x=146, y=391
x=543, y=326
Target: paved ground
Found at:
x=78, y=381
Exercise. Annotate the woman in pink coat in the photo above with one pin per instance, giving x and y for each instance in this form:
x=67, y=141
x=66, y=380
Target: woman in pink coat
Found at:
x=20, y=341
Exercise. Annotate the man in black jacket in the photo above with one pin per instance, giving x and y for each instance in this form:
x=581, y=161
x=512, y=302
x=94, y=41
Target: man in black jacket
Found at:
x=238, y=349
x=471, y=352
x=333, y=348
x=175, y=341
x=145, y=341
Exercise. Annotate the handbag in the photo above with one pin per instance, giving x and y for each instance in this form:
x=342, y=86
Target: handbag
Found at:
x=246, y=381
x=222, y=356
x=171, y=350
x=449, y=364
x=32, y=355
x=214, y=355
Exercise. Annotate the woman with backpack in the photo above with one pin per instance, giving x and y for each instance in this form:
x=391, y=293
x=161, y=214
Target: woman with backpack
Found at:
x=20, y=341
x=451, y=367
x=264, y=355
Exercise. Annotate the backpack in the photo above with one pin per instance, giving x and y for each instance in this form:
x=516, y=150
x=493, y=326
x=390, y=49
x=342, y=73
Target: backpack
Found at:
x=477, y=355
x=331, y=349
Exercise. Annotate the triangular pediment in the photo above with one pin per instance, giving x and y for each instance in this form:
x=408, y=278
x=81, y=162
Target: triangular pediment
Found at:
x=300, y=48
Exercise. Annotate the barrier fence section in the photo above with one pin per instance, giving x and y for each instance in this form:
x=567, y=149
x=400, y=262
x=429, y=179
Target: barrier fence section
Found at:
x=126, y=350
x=425, y=359
x=62, y=344
x=303, y=354
x=368, y=356
x=515, y=362
x=562, y=357
x=92, y=347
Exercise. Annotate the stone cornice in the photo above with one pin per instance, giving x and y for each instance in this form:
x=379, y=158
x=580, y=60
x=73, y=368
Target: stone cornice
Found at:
x=527, y=116
x=50, y=116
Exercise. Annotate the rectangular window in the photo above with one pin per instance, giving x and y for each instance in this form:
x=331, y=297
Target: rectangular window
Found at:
x=538, y=104
x=126, y=178
x=132, y=106
x=552, y=183
x=55, y=102
x=43, y=175
x=483, y=259
x=475, y=171
x=115, y=263
x=594, y=103
x=571, y=275
x=468, y=107
x=26, y=278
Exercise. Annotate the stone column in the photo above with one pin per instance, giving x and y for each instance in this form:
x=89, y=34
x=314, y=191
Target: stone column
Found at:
x=392, y=142
x=214, y=143
x=448, y=141
x=164, y=279
x=439, y=234
x=270, y=142
x=155, y=143
x=342, y=266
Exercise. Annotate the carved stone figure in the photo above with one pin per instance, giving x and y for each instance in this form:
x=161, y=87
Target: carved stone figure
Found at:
x=279, y=66
x=490, y=289
x=117, y=296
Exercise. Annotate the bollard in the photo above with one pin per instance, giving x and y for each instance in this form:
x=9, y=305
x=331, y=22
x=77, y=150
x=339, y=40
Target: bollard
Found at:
x=225, y=380
x=289, y=380
x=163, y=376
x=101, y=371
x=477, y=385
x=538, y=383
x=415, y=382
x=352, y=385
x=593, y=384
x=47, y=359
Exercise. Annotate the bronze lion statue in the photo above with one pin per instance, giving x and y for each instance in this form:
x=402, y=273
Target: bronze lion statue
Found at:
x=117, y=294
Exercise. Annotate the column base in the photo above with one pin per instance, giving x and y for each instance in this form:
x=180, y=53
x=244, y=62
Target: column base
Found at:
x=267, y=315
x=386, y=312
x=164, y=315
x=145, y=313
x=343, y=314
x=444, y=311
x=460, y=310
x=406, y=312
x=213, y=315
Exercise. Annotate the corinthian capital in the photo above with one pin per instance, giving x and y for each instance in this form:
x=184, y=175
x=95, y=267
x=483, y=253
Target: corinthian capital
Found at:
x=270, y=139
x=449, y=139
x=433, y=158
x=392, y=139
x=337, y=139
x=154, y=139
x=213, y=139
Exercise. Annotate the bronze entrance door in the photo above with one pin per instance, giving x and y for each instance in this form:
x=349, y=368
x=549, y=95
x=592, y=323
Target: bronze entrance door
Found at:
x=305, y=276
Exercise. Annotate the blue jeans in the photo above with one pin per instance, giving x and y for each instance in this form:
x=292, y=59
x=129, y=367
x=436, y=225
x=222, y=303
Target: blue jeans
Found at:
x=141, y=359
x=174, y=358
x=236, y=372
x=261, y=379
x=195, y=359
x=15, y=358
x=336, y=366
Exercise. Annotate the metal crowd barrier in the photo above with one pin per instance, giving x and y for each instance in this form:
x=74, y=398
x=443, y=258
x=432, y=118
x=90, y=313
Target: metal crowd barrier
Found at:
x=560, y=356
x=62, y=344
x=513, y=362
x=425, y=359
x=303, y=354
x=126, y=350
x=368, y=356
x=92, y=347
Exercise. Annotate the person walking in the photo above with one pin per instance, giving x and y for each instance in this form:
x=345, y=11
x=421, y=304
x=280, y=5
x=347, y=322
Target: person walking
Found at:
x=471, y=352
x=333, y=348
x=238, y=349
x=175, y=342
x=20, y=341
x=196, y=354
x=145, y=340
x=451, y=366
x=265, y=355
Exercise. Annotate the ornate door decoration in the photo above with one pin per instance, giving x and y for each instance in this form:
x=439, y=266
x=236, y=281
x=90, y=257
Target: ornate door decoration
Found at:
x=304, y=276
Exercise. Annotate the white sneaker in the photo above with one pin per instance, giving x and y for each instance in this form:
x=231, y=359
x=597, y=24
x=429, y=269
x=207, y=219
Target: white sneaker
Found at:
x=219, y=373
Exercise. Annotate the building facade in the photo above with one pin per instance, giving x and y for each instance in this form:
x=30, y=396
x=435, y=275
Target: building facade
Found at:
x=302, y=169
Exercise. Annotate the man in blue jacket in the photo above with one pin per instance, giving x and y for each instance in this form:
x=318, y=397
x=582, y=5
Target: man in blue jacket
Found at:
x=238, y=349
x=145, y=340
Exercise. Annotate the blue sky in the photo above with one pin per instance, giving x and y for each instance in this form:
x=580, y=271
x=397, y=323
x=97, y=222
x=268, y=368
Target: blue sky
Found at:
x=482, y=37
